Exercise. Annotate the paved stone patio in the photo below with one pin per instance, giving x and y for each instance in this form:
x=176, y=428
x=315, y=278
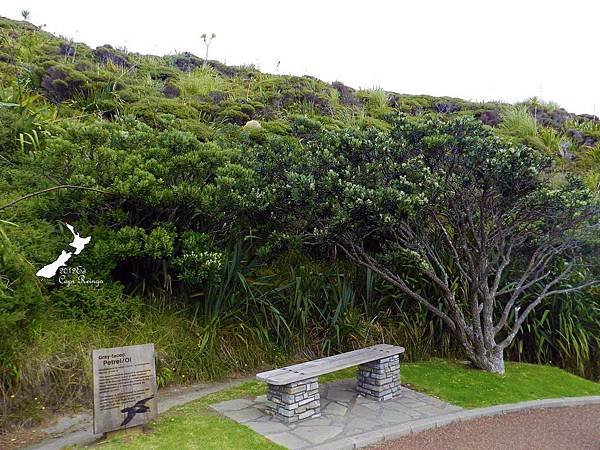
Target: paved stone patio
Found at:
x=344, y=414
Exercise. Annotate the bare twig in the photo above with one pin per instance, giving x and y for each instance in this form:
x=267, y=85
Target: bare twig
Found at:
x=54, y=188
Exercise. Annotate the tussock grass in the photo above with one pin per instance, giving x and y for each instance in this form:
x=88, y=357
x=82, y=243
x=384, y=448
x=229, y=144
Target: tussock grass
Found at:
x=518, y=121
x=551, y=139
x=376, y=99
x=201, y=82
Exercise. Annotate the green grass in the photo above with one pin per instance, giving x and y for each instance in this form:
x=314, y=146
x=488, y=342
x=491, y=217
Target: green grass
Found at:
x=201, y=81
x=459, y=384
x=195, y=426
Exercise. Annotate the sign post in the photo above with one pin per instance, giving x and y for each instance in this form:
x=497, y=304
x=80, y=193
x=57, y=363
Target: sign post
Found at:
x=125, y=390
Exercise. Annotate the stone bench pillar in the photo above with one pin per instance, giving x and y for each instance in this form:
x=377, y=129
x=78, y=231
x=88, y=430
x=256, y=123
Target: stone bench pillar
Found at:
x=294, y=401
x=380, y=379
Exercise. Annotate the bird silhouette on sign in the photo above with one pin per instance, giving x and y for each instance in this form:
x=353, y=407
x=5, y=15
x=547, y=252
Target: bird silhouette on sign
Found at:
x=78, y=242
x=131, y=411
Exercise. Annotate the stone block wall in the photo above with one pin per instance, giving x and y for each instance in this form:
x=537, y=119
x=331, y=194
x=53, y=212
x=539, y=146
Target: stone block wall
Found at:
x=295, y=401
x=379, y=380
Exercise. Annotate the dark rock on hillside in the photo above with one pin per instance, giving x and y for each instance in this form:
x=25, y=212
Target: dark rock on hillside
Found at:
x=564, y=151
x=347, y=94
x=446, y=107
x=394, y=101
x=321, y=104
x=82, y=66
x=490, y=117
x=163, y=73
x=297, y=95
x=554, y=119
x=576, y=135
x=187, y=62
x=67, y=49
x=58, y=86
x=222, y=69
x=217, y=97
x=5, y=58
x=106, y=53
x=171, y=91
x=580, y=138
x=589, y=117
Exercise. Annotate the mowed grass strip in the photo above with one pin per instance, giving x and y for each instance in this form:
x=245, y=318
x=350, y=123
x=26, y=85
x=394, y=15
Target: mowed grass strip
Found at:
x=456, y=382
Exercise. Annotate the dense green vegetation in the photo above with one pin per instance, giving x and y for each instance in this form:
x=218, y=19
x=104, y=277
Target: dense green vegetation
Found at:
x=450, y=381
x=187, y=236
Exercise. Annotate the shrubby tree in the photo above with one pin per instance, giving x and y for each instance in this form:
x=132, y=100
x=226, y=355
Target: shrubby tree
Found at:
x=470, y=227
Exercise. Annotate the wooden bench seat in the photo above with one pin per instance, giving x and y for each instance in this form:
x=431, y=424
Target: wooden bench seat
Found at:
x=328, y=364
x=294, y=391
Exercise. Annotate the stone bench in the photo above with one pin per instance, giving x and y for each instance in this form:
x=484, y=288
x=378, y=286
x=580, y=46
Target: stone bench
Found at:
x=293, y=392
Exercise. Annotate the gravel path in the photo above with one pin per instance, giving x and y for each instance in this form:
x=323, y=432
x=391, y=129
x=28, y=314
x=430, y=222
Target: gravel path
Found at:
x=570, y=428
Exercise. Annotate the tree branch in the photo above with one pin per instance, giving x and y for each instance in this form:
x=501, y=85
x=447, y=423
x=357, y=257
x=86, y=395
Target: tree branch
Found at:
x=361, y=257
x=43, y=191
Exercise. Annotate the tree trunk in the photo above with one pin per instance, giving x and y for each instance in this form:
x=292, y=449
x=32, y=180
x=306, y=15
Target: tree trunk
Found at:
x=490, y=361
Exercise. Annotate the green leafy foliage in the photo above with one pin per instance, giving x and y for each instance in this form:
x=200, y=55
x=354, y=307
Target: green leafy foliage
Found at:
x=21, y=299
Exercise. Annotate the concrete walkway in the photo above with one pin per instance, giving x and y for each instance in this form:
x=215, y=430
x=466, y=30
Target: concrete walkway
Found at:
x=77, y=429
x=348, y=421
x=344, y=415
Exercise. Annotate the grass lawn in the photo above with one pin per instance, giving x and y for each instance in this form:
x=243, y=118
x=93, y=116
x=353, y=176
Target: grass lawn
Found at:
x=458, y=384
x=195, y=426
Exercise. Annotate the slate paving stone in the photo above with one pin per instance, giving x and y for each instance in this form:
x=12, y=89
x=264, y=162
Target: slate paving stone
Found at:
x=288, y=440
x=363, y=411
x=413, y=403
x=264, y=427
x=324, y=402
x=403, y=409
x=317, y=421
x=234, y=405
x=318, y=434
x=372, y=406
x=395, y=416
x=334, y=409
x=346, y=417
x=362, y=423
x=245, y=415
x=431, y=410
x=341, y=396
x=337, y=420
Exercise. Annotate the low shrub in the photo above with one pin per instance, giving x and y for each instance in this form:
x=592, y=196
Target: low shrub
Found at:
x=148, y=109
x=104, y=305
